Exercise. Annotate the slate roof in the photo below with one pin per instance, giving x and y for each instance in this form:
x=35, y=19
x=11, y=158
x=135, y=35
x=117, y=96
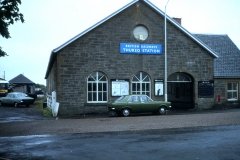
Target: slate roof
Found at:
x=21, y=79
x=227, y=65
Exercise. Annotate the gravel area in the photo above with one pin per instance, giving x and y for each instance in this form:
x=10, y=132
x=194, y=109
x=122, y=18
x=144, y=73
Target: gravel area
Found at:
x=107, y=123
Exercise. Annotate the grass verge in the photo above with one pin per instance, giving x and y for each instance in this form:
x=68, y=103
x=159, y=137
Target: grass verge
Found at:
x=46, y=112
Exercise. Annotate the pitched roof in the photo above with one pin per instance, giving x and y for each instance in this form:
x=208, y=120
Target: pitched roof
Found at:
x=160, y=12
x=21, y=79
x=228, y=63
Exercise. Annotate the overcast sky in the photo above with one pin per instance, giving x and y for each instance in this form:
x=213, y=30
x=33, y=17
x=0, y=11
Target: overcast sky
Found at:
x=50, y=23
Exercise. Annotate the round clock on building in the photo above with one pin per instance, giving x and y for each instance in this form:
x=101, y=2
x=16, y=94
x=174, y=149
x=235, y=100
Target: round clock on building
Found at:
x=140, y=32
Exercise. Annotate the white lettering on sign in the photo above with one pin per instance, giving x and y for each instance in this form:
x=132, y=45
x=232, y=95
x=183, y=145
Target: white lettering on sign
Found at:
x=151, y=51
x=132, y=48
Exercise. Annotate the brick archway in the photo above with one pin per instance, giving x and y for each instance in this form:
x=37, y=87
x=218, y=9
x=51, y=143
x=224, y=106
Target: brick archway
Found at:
x=180, y=90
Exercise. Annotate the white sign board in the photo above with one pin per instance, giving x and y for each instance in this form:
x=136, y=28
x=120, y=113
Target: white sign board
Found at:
x=120, y=87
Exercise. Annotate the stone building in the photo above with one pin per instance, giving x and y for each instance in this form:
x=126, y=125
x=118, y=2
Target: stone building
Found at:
x=21, y=83
x=124, y=54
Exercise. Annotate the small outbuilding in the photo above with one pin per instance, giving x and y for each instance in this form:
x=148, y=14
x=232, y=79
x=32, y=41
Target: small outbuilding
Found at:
x=22, y=84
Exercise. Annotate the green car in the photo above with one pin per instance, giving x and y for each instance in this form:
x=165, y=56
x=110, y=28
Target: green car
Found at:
x=138, y=104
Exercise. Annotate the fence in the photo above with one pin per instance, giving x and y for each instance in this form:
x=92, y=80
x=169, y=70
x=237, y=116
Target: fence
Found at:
x=52, y=104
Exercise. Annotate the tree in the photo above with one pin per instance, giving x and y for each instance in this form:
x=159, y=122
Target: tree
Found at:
x=9, y=13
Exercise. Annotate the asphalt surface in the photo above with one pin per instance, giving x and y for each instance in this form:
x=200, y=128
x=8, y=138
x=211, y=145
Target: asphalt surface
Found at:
x=194, y=143
x=209, y=134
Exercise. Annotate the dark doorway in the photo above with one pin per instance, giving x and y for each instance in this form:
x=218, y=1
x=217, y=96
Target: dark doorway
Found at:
x=180, y=91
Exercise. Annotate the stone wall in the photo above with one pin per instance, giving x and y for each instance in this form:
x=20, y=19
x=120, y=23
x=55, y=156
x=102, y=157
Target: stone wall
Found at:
x=221, y=89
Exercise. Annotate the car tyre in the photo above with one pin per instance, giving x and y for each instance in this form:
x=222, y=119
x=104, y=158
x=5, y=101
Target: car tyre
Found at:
x=1, y=103
x=16, y=104
x=162, y=110
x=125, y=112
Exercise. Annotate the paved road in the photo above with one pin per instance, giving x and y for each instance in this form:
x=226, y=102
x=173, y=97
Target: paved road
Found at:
x=194, y=143
x=212, y=134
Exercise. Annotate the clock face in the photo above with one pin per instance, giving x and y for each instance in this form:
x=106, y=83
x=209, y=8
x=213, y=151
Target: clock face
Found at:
x=140, y=32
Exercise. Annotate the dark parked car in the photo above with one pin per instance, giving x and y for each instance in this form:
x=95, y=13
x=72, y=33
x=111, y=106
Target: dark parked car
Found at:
x=34, y=96
x=16, y=99
x=138, y=104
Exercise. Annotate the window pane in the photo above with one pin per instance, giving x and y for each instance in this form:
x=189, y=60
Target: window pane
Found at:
x=90, y=78
x=94, y=87
x=229, y=86
x=100, y=75
x=100, y=88
x=94, y=76
x=135, y=79
x=147, y=86
x=235, y=86
x=145, y=78
x=94, y=96
x=134, y=87
x=103, y=78
x=89, y=86
x=89, y=96
x=143, y=87
x=138, y=87
x=138, y=75
x=104, y=86
x=104, y=96
x=229, y=95
x=235, y=95
x=100, y=96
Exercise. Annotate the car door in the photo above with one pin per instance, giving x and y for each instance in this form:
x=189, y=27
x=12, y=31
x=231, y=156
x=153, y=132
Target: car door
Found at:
x=147, y=105
x=134, y=104
x=7, y=99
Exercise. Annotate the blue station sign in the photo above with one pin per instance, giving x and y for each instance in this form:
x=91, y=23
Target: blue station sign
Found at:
x=135, y=48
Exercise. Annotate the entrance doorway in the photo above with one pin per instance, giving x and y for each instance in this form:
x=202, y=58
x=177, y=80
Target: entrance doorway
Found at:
x=180, y=91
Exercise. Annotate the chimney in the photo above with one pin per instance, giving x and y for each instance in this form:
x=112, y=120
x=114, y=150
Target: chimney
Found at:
x=179, y=20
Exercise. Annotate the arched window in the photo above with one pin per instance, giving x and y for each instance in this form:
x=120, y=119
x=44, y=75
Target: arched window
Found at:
x=179, y=77
x=97, y=87
x=141, y=84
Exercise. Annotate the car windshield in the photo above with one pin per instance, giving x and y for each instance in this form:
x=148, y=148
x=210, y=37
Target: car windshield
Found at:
x=120, y=98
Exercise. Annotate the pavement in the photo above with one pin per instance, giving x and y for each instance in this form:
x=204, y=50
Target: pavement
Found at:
x=29, y=121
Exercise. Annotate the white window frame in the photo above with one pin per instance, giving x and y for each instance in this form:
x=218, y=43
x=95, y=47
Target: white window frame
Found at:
x=232, y=91
x=141, y=82
x=97, y=80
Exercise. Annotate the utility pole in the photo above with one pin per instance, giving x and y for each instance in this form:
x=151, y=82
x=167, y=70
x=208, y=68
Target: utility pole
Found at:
x=165, y=81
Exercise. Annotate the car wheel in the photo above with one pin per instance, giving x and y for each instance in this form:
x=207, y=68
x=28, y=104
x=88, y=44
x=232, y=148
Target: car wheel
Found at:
x=15, y=104
x=125, y=112
x=162, y=110
x=1, y=103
